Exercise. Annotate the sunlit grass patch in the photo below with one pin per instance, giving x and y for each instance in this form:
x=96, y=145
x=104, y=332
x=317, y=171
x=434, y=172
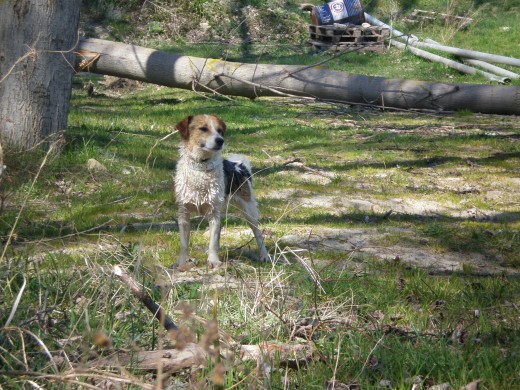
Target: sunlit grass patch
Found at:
x=346, y=199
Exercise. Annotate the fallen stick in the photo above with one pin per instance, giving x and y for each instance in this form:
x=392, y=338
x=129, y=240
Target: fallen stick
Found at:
x=464, y=20
x=473, y=54
x=147, y=301
x=169, y=360
x=493, y=68
x=141, y=226
x=193, y=355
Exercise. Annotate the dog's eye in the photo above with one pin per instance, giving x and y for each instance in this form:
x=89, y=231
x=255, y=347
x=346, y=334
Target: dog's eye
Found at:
x=219, y=130
x=203, y=129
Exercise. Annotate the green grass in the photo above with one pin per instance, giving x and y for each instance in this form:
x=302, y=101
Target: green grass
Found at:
x=363, y=197
x=402, y=322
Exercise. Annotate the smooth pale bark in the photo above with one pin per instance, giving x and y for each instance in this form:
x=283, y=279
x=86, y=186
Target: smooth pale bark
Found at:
x=411, y=41
x=36, y=42
x=253, y=80
x=508, y=75
x=194, y=356
x=414, y=41
x=452, y=64
x=477, y=55
x=485, y=65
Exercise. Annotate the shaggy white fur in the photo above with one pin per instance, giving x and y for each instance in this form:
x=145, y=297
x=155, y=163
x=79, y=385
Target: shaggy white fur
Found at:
x=204, y=180
x=197, y=186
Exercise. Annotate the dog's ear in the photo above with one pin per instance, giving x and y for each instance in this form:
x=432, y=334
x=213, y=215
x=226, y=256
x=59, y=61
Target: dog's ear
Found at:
x=183, y=127
x=221, y=124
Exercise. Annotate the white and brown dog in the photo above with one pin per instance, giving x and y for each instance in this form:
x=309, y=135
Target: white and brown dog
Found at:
x=204, y=181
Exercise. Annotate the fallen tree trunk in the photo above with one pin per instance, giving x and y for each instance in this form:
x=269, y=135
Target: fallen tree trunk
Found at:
x=254, y=80
x=411, y=40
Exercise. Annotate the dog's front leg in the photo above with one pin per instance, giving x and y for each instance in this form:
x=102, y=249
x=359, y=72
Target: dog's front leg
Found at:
x=214, y=239
x=184, y=230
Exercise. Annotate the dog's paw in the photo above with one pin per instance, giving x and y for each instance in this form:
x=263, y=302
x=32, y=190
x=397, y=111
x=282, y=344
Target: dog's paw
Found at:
x=181, y=267
x=214, y=261
x=215, y=264
x=180, y=263
x=264, y=256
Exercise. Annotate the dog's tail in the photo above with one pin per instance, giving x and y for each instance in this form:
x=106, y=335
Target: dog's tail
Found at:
x=237, y=158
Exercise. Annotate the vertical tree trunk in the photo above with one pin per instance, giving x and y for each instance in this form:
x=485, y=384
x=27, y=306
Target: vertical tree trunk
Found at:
x=36, y=67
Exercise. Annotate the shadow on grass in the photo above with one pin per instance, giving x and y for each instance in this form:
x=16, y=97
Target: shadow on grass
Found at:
x=412, y=163
x=456, y=234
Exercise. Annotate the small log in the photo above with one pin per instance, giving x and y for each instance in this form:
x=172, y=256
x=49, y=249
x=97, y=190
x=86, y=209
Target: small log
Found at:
x=291, y=355
x=412, y=44
x=194, y=355
x=452, y=64
x=493, y=69
x=169, y=360
x=473, y=54
x=485, y=65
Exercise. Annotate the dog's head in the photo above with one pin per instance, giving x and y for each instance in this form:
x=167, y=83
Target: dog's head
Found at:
x=202, y=135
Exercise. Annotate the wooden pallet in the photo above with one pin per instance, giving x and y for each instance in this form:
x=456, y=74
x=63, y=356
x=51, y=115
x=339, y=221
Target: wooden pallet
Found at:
x=342, y=37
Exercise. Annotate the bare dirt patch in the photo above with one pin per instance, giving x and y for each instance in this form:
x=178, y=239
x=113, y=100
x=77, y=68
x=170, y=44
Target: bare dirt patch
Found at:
x=411, y=248
x=370, y=241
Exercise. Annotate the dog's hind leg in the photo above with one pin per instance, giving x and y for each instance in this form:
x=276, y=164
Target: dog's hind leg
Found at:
x=250, y=211
x=214, y=239
x=184, y=230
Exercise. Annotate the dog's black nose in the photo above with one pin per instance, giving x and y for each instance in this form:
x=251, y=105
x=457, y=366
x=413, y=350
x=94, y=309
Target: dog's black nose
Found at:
x=219, y=141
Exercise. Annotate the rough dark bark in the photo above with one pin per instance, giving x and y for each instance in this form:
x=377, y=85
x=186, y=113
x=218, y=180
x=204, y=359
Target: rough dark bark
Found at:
x=253, y=80
x=36, y=42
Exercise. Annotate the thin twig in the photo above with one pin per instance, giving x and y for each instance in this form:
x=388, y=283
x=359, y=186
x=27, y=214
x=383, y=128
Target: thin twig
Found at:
x=370, y=354
x=158, y=142
x=31, y=52
x=337, y=362
x=90, y=230
x=274, y=90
